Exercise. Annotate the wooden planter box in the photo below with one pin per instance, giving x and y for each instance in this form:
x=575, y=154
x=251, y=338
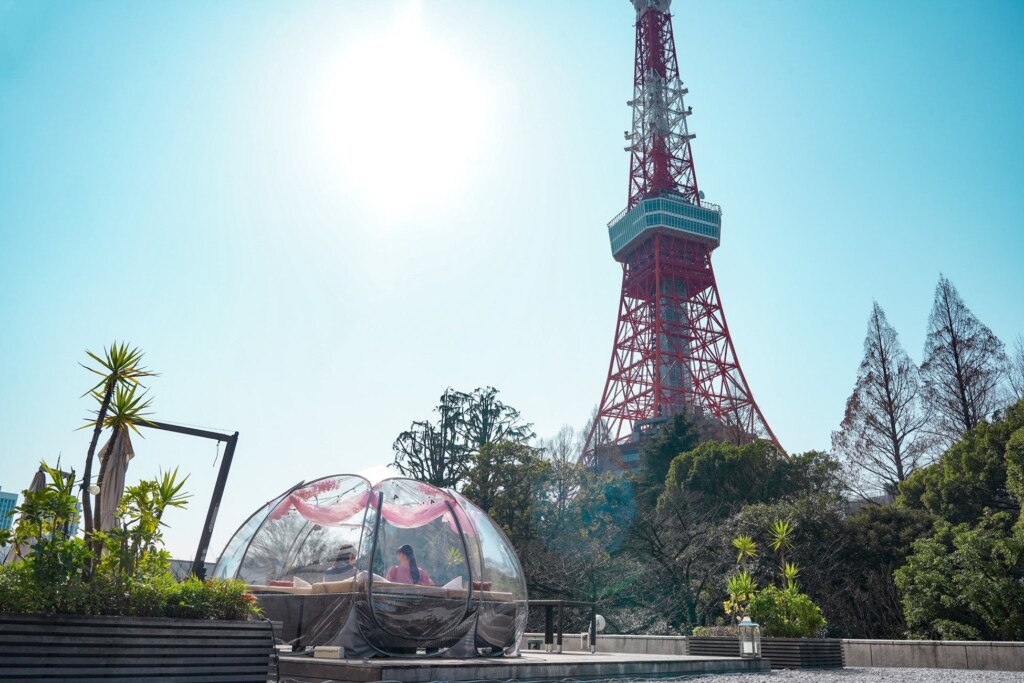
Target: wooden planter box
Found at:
x=784, y=653
x=72, y=648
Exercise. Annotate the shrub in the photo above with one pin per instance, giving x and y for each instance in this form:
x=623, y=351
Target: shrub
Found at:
x=723, y=631
x=216, y=599
x=966, y=582
x=132, y=576
x=786, y=613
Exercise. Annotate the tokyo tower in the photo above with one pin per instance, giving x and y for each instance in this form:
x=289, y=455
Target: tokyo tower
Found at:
x=672, y=350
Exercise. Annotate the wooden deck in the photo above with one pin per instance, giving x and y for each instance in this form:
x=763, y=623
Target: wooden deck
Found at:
x=533, y=666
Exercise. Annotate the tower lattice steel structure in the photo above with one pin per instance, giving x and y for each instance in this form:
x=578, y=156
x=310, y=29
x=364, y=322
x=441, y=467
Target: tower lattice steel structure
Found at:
x=672, y=347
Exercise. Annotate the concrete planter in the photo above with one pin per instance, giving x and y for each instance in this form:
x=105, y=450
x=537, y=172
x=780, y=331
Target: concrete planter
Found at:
x=74, y=648
x=784, y=653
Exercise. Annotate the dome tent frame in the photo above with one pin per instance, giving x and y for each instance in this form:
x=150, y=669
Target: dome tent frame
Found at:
x=480, y=610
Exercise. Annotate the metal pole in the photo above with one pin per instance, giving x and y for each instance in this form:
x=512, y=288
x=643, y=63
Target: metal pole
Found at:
x=561, y=610
x=199, y=563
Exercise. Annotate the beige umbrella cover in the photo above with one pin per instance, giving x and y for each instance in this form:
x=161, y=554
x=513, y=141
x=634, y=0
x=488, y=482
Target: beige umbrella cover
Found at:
x=114, y=457
x=38, y=482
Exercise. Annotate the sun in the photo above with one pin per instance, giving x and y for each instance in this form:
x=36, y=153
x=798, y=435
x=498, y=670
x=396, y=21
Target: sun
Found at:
x=406, y=118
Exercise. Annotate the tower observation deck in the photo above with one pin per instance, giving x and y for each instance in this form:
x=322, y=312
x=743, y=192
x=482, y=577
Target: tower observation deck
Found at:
x=672, y=351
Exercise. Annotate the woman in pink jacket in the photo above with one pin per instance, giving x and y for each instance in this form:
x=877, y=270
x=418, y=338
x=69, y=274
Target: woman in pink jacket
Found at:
x=406, y=571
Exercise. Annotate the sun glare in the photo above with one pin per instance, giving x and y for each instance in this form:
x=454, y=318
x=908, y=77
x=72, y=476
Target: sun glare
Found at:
x=406, y=117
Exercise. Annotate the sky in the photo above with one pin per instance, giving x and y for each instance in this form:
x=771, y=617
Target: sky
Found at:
x=314, y=217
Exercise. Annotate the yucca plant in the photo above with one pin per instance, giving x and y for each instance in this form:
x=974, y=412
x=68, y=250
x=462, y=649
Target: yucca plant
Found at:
x=126, y=412
x=119, y=367
x=789, y=572
x=741, y=588
x=747, y=550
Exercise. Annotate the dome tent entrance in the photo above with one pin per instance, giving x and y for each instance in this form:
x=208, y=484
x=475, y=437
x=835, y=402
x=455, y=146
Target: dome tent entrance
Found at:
x=398, y=568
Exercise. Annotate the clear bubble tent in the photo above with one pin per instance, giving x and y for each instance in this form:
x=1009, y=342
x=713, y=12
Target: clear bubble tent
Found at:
x=400, y=568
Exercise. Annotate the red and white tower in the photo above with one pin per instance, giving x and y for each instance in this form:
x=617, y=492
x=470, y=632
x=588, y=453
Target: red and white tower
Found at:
x=672, y=347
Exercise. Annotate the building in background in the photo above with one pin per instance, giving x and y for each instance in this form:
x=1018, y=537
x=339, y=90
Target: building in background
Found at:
x=8, y=501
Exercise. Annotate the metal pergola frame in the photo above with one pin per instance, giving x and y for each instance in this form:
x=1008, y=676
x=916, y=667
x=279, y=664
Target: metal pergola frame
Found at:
x=199, y=563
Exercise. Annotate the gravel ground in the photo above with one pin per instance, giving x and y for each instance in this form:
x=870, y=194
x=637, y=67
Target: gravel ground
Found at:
x=874, y=675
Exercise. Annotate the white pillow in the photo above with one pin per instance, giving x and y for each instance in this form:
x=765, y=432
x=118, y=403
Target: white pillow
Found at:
x=300, y=583
x=454, y=585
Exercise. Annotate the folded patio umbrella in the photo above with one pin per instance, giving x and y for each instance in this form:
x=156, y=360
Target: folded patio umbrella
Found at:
x=114, y=457
x=38, y=482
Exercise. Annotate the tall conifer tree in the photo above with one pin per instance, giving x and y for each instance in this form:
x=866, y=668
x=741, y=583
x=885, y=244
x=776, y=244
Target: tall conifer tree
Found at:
x=882, y=435
x=964, y=366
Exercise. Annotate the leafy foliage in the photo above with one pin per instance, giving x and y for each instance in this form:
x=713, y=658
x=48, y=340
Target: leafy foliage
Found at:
x=972, y=475
x=862, y=599
x=678, y=436
x=133, y=548
x=966, y=582
x=442, y=452
x=734, y=476
x=741, y=588
x=786, y=613
x=506, y=481
x=133, y=575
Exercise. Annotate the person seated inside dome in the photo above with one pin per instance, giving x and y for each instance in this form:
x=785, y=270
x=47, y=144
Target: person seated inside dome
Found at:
x=343, y=566
x=407, y=571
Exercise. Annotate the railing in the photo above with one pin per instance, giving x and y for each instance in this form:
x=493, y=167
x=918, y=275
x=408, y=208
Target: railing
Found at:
x=703, y=204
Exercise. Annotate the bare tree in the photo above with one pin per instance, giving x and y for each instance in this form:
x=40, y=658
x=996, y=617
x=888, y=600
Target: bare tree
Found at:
x=1017, y=368
x=964, y=365
x=597, y=435
x=882, y=435
x=563, y=447
x=563, y=452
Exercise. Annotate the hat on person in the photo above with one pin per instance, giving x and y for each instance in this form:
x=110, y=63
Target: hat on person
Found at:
x=346, y=549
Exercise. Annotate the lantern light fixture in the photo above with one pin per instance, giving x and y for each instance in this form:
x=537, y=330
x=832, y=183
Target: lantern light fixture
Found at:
x=750, y=639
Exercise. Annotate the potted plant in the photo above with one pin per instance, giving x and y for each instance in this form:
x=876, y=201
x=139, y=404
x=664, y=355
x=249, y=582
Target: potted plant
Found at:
x=67, y=613
x=789, y=619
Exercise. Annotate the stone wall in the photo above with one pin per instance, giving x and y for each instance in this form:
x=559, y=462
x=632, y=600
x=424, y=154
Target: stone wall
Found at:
x=935, y=654
x=924, y=654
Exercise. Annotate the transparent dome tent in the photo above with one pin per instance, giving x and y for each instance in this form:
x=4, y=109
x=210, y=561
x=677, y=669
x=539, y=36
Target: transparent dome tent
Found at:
x=329, y=561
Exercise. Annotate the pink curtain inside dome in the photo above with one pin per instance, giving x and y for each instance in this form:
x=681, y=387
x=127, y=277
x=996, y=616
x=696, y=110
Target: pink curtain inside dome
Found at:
x=324, y=515
x=401, y=516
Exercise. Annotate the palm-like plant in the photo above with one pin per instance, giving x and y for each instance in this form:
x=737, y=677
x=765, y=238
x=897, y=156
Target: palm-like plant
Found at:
x=789, y=572
x=747, y=549
x=125, y=412
x=781, y=534
x=168, y=493
x=741, y=588
x=119, y=366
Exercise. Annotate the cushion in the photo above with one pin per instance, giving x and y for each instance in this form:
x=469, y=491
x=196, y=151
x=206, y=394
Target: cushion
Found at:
x=300, y=583
x=344, y=586
x=278, y=589
x=496, y=596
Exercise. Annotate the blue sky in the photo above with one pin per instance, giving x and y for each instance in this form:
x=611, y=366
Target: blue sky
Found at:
x=314, y=217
